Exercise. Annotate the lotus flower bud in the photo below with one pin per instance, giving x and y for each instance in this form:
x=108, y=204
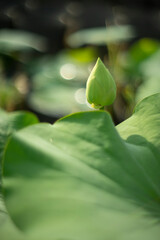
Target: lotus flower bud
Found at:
x=101, y=88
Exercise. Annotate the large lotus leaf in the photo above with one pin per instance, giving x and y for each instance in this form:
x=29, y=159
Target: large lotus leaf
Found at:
x=9, y=123
x=82, y=179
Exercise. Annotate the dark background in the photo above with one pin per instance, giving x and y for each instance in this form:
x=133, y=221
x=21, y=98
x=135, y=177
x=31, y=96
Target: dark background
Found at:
x=54, y=18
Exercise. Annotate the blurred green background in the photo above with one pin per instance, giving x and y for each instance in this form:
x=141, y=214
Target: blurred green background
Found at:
x=48, y=48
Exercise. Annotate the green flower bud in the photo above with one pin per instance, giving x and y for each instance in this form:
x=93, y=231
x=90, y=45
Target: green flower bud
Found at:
x=101, y=88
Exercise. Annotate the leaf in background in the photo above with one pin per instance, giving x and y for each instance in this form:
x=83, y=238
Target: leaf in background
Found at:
x=101, y=36
x=9, y=123
x=16, y=40
x=143, y=49
x=150, y=71
x=80, y=179
x=139, y=52
x=58, y=84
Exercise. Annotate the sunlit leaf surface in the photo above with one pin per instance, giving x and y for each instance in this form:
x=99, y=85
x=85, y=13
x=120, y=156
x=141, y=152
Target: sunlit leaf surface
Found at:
x=82, y=178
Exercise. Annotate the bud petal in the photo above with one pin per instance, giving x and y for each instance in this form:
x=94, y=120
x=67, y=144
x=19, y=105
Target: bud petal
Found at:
x=101, y=88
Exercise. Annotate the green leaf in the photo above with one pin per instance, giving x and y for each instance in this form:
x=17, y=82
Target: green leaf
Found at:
x=58, y=84
x=10, y=123
x=101, y=35
x=82, y=178
x=150, y=72
x=17, y=40
x=143, y=49
x=8, y=230
x=141, y=61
